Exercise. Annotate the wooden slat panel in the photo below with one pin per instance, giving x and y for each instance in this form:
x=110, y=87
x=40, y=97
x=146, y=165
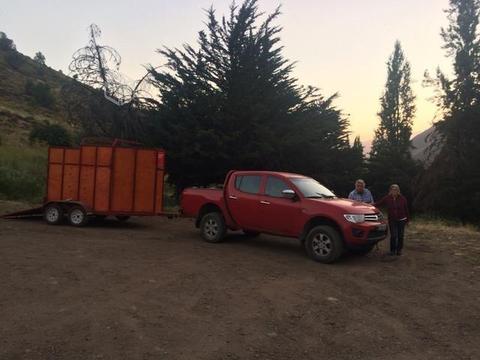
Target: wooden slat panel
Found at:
x=123, y=178
x=55, y=155
x=70, y=181
x=54, y=187
x=87, y=183
x=159, y=192
x=72, y=156
x=104, y=156
x=145, y=180
x=88, y=155
x=102, y=189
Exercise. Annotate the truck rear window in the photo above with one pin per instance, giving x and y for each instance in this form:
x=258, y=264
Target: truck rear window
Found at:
x=248, y=183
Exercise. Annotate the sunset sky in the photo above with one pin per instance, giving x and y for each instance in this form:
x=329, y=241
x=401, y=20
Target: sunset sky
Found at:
x=339, y=46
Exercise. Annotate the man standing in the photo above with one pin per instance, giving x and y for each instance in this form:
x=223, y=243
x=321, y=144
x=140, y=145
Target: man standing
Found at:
x=361, y=193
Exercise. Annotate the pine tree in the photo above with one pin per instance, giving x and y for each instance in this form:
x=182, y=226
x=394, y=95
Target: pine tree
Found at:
x=39, y=58
x=6, y=44
x=451, y=185
x=390, y=158
x=231, y=102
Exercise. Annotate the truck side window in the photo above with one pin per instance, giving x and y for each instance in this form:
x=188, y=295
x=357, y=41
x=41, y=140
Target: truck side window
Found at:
x=248, y=183
x=275, y=186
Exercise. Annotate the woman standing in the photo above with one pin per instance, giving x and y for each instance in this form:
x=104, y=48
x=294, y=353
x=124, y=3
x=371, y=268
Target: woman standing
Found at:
x=398, y=217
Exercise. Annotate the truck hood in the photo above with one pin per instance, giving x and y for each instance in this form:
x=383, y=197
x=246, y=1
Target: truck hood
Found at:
x=348, y=206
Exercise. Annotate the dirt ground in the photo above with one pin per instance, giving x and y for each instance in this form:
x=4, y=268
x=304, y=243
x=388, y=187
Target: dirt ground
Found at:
x=151, y=289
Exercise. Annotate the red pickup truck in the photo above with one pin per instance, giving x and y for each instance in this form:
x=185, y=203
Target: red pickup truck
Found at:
x=288, y=205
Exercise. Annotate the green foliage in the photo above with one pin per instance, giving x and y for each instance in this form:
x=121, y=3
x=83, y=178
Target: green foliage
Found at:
x=89, y=111
x=451, y=185
x=40, y=92
x=51, y=134
x=234, y=104
x=40, y=58
x=390, y=158
x=14, y=59
x=22, y=173
x=6, y=44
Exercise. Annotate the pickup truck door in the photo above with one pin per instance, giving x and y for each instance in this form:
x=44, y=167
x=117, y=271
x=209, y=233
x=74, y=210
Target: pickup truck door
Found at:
x=244, y=200
x=279, y=215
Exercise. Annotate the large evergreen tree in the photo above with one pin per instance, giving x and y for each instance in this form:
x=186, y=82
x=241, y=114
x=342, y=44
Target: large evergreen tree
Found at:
x=390, y=158
x=451, y=185
x=231, y=102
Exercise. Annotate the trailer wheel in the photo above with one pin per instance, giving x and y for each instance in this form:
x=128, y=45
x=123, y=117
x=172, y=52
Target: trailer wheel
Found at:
x=212, y=227
x=77, y=216
x=53, y=214
x=324, y=244
x=122, y=218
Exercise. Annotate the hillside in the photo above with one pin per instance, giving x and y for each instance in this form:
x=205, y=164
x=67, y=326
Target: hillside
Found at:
x=32, y=93
x=421, y=144
x=19, y=111
x=31, y=96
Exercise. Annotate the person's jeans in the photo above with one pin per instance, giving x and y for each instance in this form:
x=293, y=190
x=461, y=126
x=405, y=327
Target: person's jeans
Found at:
x=397, y=231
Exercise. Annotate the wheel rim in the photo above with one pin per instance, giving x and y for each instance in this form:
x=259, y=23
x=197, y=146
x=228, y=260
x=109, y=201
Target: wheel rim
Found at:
x=52, y=214
x=211, y=228
x=322, y=245
x=77, y=216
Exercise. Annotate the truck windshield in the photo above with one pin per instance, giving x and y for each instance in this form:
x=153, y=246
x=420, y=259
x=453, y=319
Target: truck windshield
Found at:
x=312, y=189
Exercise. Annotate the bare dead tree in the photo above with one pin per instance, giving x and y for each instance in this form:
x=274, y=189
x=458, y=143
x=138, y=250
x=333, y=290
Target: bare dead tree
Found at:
x=98, y=66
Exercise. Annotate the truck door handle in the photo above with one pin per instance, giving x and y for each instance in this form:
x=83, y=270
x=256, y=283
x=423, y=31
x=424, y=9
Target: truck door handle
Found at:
x=232, y=197
x=264, y=202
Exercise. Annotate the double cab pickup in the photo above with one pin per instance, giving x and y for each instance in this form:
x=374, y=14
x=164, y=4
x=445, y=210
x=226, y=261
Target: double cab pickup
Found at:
x=288, y=205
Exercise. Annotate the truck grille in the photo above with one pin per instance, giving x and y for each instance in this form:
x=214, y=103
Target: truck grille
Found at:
x=373, y=217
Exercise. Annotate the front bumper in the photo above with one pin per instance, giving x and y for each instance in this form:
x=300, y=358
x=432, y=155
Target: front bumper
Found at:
x=367, y=233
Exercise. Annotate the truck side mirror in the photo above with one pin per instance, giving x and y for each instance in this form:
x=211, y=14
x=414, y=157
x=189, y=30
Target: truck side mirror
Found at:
x=289, y=194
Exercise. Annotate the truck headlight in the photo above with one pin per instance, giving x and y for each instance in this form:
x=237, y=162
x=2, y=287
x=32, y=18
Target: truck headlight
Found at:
x=355, y=218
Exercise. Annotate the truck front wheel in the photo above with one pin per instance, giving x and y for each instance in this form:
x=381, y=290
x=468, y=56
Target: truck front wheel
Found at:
x=324, y=244
x=212, y=227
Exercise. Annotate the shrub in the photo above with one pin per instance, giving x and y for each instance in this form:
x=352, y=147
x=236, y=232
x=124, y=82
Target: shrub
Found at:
x=39, y=58
x=40, y=92
x=51, y=134
x=14, y=59
x=22, y=173
x=6, y=44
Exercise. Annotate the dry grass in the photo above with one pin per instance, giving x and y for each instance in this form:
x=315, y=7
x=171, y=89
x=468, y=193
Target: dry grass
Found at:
x=22, y=173
x=461, y=241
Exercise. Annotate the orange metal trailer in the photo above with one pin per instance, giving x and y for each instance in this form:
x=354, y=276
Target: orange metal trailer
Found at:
x=102, y=180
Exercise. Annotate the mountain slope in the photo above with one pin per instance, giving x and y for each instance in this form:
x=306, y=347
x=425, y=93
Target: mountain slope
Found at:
x=19, y=107
x=421, y=145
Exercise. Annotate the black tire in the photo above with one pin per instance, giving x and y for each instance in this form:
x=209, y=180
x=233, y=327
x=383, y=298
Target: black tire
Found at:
x=364, y=250
x=213, y=227
x=53, y=214
x=77, y=216
x=324, y=244
x=122, y=218
x=252, y=234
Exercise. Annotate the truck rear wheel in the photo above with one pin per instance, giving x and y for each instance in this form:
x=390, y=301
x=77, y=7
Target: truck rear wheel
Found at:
x=77, y=216
x=53, y=214
x=212, y=227
x=324, y=244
